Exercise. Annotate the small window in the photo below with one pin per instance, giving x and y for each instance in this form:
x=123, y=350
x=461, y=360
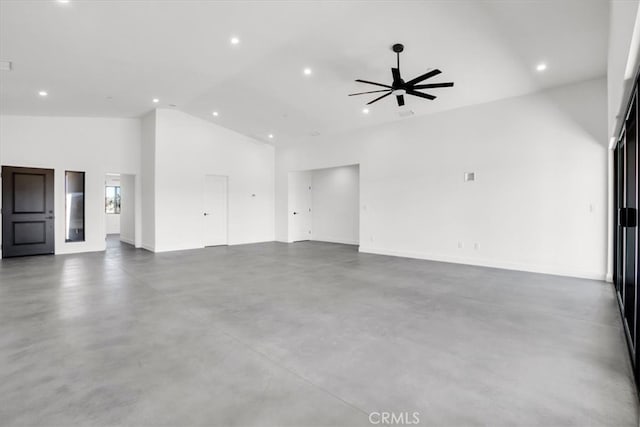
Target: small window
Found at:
x=74, y=206
x=112, y=200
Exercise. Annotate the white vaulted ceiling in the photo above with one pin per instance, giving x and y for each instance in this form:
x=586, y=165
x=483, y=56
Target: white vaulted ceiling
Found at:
x=111, y=58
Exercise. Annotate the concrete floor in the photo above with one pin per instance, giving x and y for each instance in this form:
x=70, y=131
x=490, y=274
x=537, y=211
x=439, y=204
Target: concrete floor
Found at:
x=303, y=334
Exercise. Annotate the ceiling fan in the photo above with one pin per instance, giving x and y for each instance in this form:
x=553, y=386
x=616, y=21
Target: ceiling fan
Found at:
x=399, y=87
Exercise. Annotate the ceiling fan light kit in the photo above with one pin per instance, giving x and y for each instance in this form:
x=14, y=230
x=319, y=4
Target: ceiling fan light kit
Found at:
x=399, y=87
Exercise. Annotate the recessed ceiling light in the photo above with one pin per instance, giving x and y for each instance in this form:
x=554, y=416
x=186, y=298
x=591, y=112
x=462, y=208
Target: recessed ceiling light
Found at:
x=156, y=100
x=541, y=67
x=235, y=40
x=270, y=136
x=43, y=93
x=63, y=1
x=307, y=71
x=365, y=111
x=215, y=113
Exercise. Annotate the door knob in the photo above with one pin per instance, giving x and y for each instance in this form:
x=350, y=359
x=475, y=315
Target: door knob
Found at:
x=295, y=213
x=205, y=214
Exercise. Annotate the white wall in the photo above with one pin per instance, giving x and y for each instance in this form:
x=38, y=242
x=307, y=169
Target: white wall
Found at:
x=622, y=61
x=166, y=154
x=112, y=221
x=147, y=182
x=93, y=145
x=127, y=213
x=538, y=202
x=188, y=148
x=335, y=201
x=622, y=64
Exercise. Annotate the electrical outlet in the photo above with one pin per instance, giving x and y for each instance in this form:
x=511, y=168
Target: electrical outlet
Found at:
x=460, y=245
x=476, y=246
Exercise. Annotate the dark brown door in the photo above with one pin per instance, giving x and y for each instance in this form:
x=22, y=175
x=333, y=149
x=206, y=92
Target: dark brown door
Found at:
x=27, y=211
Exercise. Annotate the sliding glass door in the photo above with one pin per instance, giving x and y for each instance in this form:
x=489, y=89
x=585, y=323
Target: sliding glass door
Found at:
x=630, y=232
x=625, y=199
x=618, y=238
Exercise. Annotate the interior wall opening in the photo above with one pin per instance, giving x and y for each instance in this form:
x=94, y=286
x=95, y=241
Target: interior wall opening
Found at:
x=324, y=205
x=119, y=209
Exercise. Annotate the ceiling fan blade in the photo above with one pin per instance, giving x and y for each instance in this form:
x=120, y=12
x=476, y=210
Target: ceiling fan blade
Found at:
x=432, y=85
x=379, y=98
x=425, y=76
x=371, y=91
x=400, y=100
x=420, y=94
x=396, y=74
x=373, y=83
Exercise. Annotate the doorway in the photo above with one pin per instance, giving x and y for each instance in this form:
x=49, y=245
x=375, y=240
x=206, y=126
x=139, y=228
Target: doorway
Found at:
x=215, y=210
x=112, y=207
x=121, y=210
x=27, y=211
x=324, y=205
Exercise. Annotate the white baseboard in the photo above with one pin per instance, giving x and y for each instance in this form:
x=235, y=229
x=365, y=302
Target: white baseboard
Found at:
x=160, y=249
x=544, y=269
x=335, y=240
x=148, y=247
x=250, y=242
x=193, y=247
x=78, y=250
x=127, y=240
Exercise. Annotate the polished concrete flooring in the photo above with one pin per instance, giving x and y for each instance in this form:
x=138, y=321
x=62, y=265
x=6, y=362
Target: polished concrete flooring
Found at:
x=303, y=334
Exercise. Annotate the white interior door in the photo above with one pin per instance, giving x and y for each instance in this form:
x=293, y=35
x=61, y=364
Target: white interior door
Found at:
x=299, y=206
x=215, y=210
